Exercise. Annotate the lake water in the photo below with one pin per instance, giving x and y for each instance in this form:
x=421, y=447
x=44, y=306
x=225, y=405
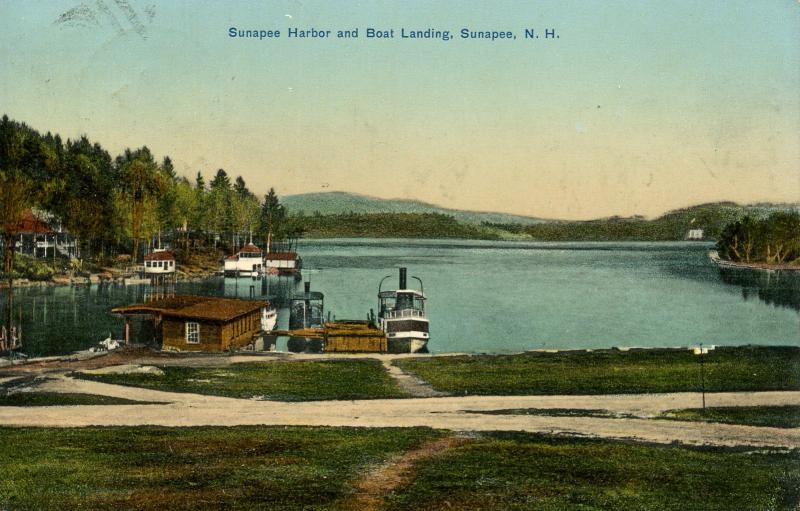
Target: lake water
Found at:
x=490, y=297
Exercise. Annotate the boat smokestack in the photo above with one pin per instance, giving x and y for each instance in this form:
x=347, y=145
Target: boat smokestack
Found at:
x=308, y=287
x=402, y=278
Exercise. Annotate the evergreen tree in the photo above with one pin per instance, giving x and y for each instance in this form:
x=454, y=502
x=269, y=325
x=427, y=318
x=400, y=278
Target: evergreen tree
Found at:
x=272, y=218
x=220, y=216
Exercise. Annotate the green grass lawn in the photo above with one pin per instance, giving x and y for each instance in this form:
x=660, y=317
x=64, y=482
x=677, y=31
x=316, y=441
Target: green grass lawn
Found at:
x=517, y=471
x=286, y=381
x=59, y=399
x=151, y=468
x=771, y=416
x=275, y=468
x=611, y=371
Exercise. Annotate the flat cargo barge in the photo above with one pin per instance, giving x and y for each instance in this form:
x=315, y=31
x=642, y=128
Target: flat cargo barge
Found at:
x=343, y=336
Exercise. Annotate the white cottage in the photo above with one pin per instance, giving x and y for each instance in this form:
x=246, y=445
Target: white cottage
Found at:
x=159, y=262
x=695, y=234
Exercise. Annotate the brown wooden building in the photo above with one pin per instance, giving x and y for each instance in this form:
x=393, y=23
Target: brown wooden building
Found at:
x=197, y=323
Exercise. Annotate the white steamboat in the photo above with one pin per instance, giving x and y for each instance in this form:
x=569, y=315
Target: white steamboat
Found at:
x=402, y=317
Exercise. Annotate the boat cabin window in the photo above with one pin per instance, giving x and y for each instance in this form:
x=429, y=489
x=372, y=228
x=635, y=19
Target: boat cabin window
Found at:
x=408, y=301
x=404, y=301
x=387, y=304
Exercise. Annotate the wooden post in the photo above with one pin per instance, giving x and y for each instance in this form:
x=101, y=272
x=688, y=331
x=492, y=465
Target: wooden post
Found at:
x=703, y=377
x=127, y=331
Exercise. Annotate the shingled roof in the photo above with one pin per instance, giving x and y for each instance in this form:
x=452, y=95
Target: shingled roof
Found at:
x=161, y=255
x=209, y=308
x=250, y=249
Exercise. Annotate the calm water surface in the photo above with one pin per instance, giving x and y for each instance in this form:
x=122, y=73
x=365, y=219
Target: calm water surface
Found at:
x=488, y=297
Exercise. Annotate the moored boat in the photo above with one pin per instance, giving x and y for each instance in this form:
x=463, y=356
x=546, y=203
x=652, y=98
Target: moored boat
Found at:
x=247, y=262
x=269, y=318
x=306, y=313
x=402, y=317
x=737, y=265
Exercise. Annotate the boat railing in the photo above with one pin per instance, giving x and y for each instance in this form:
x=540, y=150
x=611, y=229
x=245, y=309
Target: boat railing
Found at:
x=404, y=313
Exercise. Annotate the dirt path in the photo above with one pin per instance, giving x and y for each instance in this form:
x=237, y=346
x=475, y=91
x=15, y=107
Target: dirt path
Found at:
x=373, y=488
x=451, y=413
x=414, y=386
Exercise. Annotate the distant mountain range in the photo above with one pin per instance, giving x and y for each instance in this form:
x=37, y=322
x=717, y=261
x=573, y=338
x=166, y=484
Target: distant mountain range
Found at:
x=334, y=203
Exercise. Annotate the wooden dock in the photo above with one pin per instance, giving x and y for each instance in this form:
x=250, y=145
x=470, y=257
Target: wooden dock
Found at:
x=343, y=337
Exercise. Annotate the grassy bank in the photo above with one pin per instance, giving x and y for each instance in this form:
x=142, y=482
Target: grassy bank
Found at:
x=612, y=372
x=278, y=380
x=190, y=468
x=770, y=416
x=525, y=471
x=151, y=468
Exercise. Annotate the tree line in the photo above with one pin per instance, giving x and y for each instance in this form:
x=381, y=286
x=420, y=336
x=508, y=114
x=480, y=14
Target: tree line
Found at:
x=772, y=240
x=123, y=204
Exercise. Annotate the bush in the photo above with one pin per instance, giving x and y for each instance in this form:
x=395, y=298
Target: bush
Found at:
x=33, y=269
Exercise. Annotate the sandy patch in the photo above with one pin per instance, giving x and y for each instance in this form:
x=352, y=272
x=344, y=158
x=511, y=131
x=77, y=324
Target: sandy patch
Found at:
x=126, y=369
x=450, y=413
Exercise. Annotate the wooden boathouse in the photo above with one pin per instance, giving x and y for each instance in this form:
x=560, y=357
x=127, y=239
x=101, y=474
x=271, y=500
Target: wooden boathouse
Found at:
x=196, y=323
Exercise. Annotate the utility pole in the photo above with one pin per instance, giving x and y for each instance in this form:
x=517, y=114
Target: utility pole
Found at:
x=701, y=352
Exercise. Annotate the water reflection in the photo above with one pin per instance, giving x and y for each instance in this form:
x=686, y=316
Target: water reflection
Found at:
x=778, y=288
x=483, y=297
x=63, y=319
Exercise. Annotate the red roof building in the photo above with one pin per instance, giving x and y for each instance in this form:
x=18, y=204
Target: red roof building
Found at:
x=29, y=224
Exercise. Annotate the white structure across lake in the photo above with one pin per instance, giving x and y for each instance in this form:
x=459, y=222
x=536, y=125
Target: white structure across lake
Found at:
x=159, y=262
x=282, y=261
x=695, y=234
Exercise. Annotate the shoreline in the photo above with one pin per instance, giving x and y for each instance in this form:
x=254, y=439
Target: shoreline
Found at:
x=93, y=279
x=113, y=275
x=738, y=265
x=242, y=356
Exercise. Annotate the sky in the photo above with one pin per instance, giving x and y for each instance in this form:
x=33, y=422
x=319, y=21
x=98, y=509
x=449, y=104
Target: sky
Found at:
x=636, y=107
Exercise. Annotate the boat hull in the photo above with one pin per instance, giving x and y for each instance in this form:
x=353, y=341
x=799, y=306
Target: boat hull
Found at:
x=305, y=345
x=406, y=335
x=407, y=345
x=410, y=341
x=241, y=273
